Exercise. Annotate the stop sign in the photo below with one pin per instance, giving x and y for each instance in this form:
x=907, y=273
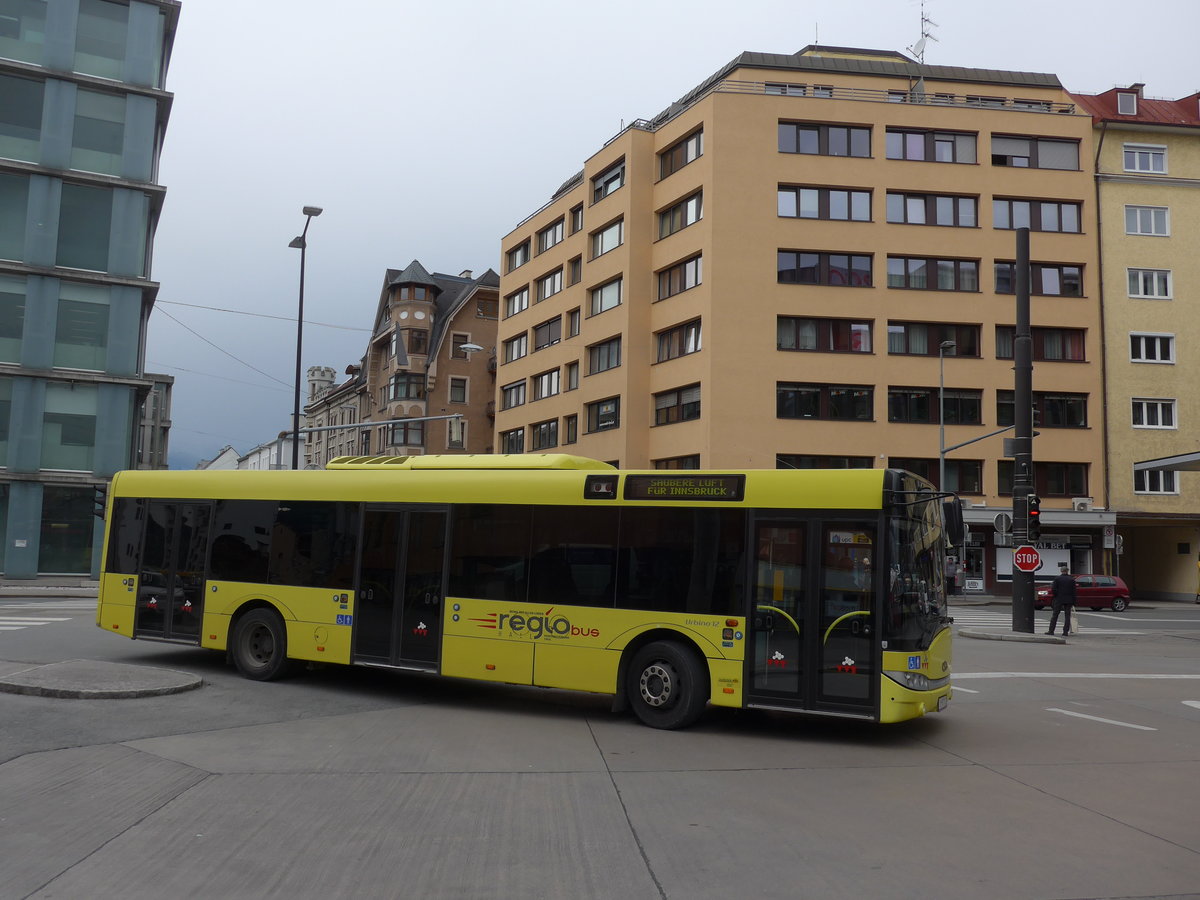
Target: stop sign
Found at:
x=1027, y=559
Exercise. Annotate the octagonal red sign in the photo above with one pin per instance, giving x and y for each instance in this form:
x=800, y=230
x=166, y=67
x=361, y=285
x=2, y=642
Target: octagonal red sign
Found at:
x=1027, y=559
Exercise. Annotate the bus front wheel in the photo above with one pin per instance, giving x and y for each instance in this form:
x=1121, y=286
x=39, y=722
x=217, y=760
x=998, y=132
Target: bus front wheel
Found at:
x=667, y=685
x=259, y=648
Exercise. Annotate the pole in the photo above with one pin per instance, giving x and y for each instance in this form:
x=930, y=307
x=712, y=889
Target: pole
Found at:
x=1022, y=480
x=299, y=350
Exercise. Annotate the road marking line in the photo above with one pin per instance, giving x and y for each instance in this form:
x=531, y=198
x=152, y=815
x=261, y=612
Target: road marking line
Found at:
x=969, y=691
x=1194, y=704
x=958, y=675
x=1079, y=715
x=17, y=620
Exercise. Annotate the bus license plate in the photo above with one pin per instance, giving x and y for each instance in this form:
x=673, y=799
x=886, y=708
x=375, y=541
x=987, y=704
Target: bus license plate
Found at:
x=943, y=702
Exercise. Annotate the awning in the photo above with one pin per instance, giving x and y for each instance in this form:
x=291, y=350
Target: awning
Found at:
x=1185, y=462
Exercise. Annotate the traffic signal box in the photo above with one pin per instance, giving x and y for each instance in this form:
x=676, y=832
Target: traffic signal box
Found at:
x=1033, y=529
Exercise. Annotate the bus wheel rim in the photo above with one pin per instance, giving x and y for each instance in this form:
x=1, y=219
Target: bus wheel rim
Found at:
x=657, y=684
x=260, y=645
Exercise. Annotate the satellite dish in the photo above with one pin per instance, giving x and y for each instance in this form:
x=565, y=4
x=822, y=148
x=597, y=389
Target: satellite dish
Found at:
x=919, y=48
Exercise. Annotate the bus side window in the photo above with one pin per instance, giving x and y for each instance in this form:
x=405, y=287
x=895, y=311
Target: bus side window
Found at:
x=491, y=543
x=241, y=540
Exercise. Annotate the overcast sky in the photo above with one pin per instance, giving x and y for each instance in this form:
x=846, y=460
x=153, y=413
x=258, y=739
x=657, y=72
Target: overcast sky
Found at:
x=429, y=130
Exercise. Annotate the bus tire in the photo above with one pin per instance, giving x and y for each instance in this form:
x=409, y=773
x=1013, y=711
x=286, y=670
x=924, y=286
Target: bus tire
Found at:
x=259, y=646
x=667, y=685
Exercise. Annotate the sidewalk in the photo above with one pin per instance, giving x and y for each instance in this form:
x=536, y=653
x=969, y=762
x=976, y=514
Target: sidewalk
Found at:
x=49, y=587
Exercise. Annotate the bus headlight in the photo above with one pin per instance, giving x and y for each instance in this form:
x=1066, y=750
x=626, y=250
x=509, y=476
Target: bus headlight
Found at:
x=914, y=681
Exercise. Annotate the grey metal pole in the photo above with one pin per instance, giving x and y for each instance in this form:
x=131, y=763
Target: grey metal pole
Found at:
x=1022, y=480
x=300, y=242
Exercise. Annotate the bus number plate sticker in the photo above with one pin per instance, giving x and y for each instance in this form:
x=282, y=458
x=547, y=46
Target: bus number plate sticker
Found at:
x=345, y=620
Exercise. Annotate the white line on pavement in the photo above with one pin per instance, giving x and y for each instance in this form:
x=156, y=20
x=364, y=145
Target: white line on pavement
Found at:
x=1194, y=704
x=29, y=620
x=1078, y=715
x=964, y=690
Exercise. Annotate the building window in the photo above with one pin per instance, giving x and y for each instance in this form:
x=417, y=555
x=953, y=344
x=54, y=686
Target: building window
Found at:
x=829, y=335
x=925, y=338
x=1050, y=410
x=833, y=269
x=512, y=395
x=570, y=429
x=684, y=213
x=100, y=38
x=458, y=390
x=824, y=203
x=824, y=140
x=1150, y=158
x=1152, y=220
x=919, y=405
x=12, y=320
x=692, y=461
x=608, y=238
x=815, y=461
x=98, y=138
x=1153, y=413
x=604, y=414
x=1155, y=481
x=406, y=386
x=933, y=274
x=69, y=427
x=21, y=114
x=1036, y=215
x=512, y=441
x=416, y=340
x=576, y=218
x=932, y=209
x=548, y=333
x=1034, y=153
x=1150, y=284
x=81, y=335
x=574, y=270
x=608, y=181
x=515, y=348
x=680, y=277
x=549, y=236
x=84, y=226
x=1147, y=348
x=963, y=476
x=680, y=405
x=456, y=434
x=1048, y=344
x=572, y=379
x=573, y=318
x=680, y=154
x=606, y=297
x=545, y=385
x=679, y=341
x=549, y=285
x=930, y=146
x=518, y=256
x=14, y=201
x=824, y=401
x=604, y=356
x=1045, y=279
x=1052, y=479
x=1127, y=103
x=785, y=90
x=457, y=342
x=544, y=435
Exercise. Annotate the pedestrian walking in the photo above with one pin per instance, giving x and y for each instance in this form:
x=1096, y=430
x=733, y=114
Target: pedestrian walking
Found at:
x=1062, y=589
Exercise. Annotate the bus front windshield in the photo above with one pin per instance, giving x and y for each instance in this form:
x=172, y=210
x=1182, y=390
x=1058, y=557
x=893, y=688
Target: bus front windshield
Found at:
x=916, y=593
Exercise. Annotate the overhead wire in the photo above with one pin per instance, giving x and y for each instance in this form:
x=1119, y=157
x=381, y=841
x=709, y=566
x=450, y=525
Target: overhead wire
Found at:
x=226, y=352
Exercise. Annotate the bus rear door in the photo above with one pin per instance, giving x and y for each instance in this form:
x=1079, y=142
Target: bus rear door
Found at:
x=170, y=600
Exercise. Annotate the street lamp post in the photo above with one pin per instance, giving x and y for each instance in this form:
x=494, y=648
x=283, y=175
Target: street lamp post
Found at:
x=300, y=243
x=943, y=348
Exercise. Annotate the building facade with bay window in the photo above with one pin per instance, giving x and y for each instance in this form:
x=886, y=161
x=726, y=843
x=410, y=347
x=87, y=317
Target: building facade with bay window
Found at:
x=790, y=265
x=81, y=127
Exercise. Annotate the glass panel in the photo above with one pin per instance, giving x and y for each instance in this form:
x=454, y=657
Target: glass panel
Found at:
x=20, y=114
x=22, y=29
x=860, y=206
x=81, y=338
x=14, y=199
x=847, y=591
x=914, y=210
x=1058, y=155
x=85, y=220
x=99, y=135
x=810, y=203
x=67, y=526
x=100, y=39
x=12, y=317
x=839, y=204
x=69, y=427
x=5, y=413
x=780, y=608
x=787, y=202
x=1000, y=217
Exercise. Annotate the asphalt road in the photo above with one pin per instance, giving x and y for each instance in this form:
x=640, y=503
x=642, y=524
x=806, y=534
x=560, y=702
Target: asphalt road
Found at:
x=1059, y=771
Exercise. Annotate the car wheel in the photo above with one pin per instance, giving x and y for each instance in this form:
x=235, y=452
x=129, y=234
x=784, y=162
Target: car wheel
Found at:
x=1120, y=604
x=667, y=685
x=259, y=647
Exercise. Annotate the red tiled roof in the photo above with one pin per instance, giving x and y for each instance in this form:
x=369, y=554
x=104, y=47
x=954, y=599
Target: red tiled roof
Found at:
x=1103, y=107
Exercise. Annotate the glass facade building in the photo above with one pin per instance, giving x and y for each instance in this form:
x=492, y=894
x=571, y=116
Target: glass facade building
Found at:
x=82, y=119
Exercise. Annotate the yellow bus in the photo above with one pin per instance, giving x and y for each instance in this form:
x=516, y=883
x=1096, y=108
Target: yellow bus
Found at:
x=815, y=592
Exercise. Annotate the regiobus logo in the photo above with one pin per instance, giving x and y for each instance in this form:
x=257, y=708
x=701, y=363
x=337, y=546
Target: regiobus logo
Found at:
x=536, y=625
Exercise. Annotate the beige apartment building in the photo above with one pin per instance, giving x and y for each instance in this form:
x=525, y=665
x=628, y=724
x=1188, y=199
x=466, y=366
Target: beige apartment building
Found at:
x=430, y=356
x=789, y=265
x=1147, y=170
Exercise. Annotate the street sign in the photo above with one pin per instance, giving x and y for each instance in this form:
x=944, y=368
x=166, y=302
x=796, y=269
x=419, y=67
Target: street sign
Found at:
x=1027, y=559
x=1003, y=523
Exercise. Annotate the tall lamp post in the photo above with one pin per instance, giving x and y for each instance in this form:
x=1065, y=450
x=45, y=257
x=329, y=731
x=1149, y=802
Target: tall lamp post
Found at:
x=943, y=348
x=302, y=244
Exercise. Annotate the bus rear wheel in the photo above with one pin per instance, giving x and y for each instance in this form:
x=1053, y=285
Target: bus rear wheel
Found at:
x=666, y=685
x=259, y=647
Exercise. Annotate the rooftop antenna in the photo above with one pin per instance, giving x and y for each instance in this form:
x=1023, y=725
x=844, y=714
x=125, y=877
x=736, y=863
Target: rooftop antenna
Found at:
x=918, y=49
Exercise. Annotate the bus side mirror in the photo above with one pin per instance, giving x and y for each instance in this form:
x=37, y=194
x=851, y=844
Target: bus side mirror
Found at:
x=956, y=529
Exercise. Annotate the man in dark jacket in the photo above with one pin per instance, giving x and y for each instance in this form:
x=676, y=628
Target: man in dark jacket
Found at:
x=1062, y=589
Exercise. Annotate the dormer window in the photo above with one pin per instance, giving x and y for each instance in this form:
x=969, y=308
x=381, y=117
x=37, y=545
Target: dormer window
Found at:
x=1127, y=103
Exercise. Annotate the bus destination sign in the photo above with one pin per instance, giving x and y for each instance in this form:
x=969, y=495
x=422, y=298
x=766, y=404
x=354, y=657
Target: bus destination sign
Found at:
x=685, y=487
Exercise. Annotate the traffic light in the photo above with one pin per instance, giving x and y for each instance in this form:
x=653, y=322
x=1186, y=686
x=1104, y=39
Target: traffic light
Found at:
x=101, y=501
x=1033, y=529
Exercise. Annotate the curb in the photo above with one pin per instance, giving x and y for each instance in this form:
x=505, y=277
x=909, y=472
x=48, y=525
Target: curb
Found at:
x=86, y=679
x=1011, y=636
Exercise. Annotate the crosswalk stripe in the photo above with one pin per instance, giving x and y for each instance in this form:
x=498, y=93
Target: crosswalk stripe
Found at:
x=14, y=620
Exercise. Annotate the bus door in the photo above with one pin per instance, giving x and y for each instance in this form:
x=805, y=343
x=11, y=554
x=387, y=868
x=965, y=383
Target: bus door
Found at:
x=401, y=572
x=811, y=628
x=170, y=599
